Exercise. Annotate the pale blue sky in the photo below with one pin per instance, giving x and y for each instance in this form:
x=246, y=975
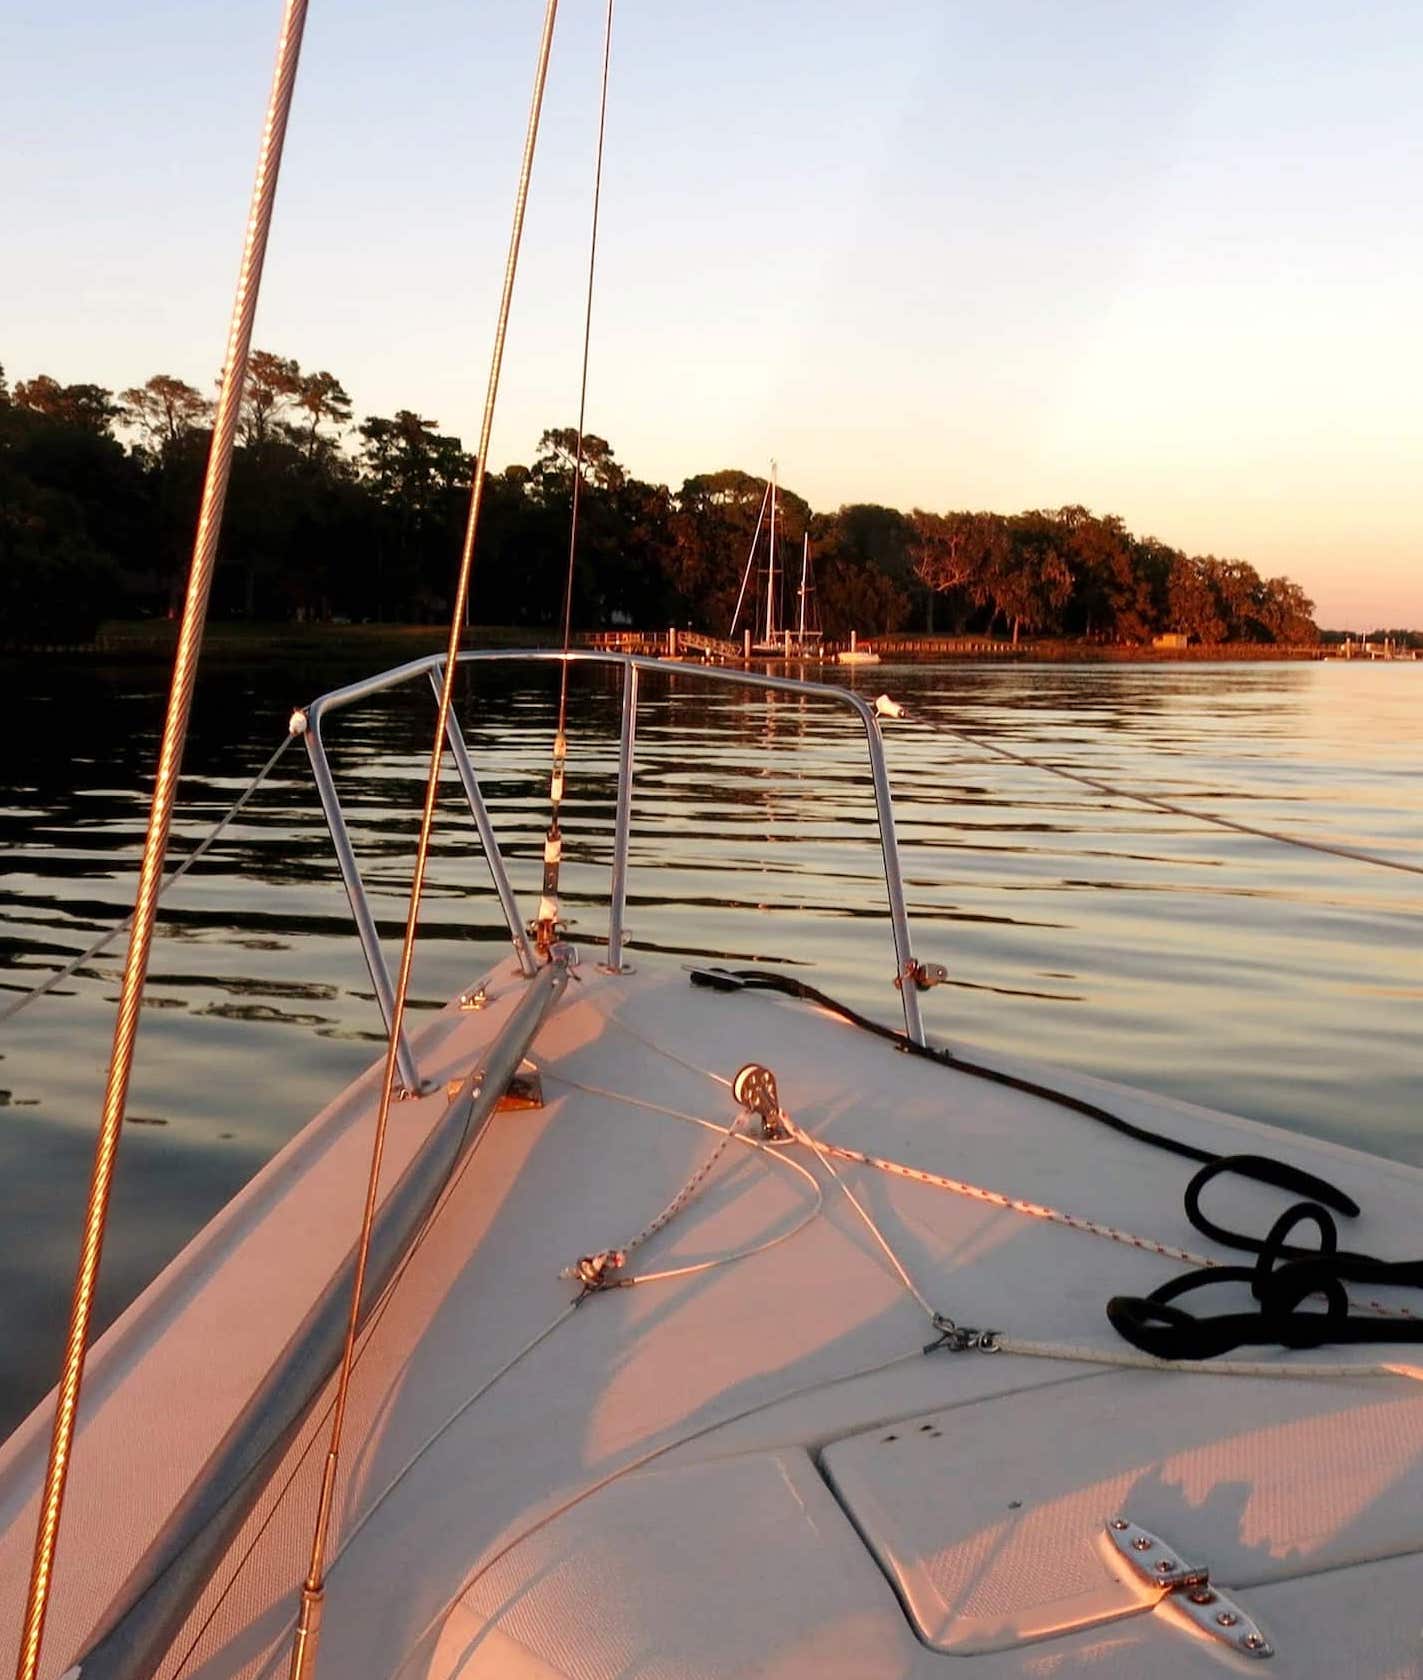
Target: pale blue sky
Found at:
x=1163, y=259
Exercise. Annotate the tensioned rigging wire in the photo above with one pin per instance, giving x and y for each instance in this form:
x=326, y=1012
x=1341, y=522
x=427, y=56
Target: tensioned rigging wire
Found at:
x=107, y=938
x=378, y=1310
x=583, y=379
x=165, y=788
x=750, y=557
x=546, y=922
x=1018, y=1204
x=459, y=1166
x=1354, y=854
x=304, y=1642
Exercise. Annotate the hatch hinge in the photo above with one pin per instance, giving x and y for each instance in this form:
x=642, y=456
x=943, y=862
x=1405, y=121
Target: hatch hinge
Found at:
x=1188, y=1587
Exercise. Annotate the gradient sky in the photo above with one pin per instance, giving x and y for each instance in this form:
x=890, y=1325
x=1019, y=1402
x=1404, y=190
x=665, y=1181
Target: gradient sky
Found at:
x=1163, y=259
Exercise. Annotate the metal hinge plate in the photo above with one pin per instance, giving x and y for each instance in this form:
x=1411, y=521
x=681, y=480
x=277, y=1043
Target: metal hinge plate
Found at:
x=1187, y=1588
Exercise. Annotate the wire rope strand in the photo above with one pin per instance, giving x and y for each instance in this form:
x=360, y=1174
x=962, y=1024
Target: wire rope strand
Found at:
x=1375, y=859
x=583, y=380
x=813, y=1143
x=165, y=787
x=994, y=1198
x=454, y=1178
x=111, y=934
x=546, y=922
x=304, y=1642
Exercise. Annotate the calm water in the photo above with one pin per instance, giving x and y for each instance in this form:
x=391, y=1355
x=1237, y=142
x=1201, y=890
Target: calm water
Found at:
x=1273, y=982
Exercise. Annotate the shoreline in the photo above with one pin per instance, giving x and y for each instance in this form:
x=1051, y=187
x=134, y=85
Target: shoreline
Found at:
x=143, y=641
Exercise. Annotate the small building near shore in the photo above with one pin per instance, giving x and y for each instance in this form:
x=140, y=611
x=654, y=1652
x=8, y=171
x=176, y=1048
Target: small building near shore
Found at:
x=1171, y=639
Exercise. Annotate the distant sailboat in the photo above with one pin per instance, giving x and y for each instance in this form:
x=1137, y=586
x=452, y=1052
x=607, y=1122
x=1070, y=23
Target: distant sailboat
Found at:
x=771, y=633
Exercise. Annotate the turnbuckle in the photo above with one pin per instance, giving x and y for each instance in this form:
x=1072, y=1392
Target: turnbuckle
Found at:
x=961, y=1338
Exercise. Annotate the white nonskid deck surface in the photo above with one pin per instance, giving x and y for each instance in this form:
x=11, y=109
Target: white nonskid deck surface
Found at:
x=648, y=1490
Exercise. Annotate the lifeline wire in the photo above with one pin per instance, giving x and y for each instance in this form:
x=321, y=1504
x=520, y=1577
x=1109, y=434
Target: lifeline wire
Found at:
x=165, y=788
x=553, y=840
x=1376, y=859
x=304, y=1640
x=107, y=938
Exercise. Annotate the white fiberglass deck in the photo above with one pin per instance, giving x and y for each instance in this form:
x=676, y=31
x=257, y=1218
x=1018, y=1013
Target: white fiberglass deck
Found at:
x=688, y=1478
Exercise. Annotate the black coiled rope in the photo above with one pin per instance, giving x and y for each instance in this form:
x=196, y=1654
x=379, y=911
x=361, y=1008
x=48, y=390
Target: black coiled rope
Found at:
x=1283, y=1277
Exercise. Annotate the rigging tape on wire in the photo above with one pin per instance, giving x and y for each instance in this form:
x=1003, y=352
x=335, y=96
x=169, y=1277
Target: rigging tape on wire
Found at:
x=107, y=938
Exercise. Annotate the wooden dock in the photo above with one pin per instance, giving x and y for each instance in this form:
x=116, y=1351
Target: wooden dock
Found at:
x=668, y=644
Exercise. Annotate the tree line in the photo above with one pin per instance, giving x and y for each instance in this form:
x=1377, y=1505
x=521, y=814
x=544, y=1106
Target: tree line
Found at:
x=329, y=517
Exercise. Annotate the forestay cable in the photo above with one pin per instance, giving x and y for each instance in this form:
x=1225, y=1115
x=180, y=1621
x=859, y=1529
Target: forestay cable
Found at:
x=546, y=924
x=313, y=1591
x=165, y=788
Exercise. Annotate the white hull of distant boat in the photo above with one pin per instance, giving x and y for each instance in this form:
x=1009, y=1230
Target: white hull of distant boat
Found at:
x=855, y=654
x=810, y=1378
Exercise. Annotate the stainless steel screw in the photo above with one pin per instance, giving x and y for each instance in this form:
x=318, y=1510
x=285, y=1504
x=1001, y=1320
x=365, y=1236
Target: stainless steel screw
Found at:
x=1165, y=1565
x=1142, y=1543
x=1227, y=1618
x=1119, y=1523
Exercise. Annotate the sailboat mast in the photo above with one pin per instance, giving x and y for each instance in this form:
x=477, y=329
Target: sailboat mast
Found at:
x=804, y=575
x=746, y=576
x=771, y=566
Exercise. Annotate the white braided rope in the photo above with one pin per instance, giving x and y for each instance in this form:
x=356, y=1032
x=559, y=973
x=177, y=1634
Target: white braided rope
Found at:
x=994, y=1198
x=605, y=1273
x=1055, y=1216
x=685, y=1194
x=1078, y=1353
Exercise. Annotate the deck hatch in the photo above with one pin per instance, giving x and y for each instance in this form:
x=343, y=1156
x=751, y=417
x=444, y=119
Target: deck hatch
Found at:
x=992, y=1519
